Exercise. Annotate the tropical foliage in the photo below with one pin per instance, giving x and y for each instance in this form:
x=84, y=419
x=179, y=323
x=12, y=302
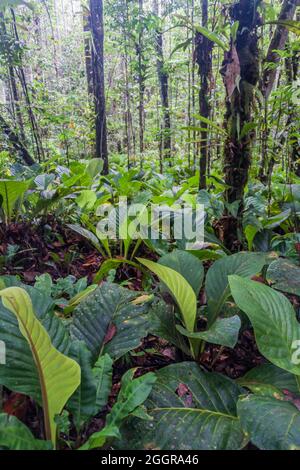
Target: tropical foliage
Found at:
x=146, y=341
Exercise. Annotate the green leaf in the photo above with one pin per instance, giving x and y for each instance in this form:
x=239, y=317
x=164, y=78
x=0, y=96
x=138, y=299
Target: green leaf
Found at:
x=82, y=402
x=133, y=393
x=284, y=276
x=277, y=331
x=78, y=298
x=207, y=255
x=234, y=30
x=59, y=375
x=162, y=323
x=191, y=410
x=110, y=306
x=19, y=373
x=224, y=331
x=110, y=264
x=291, y=25
x=10, y=192
x=250, y=233
x=187, y=265
x=217, y=287
x=277, y=220
x=180, y=289
x=268, y=374
x=97, y=440
x=212, y=37
x=86, y=234
x=247, y=127
x=87, y=199
x=183, y=45
x=14, y=435
x=103, y=374
x=95, y=167
x=271, y=424
x=210, y=123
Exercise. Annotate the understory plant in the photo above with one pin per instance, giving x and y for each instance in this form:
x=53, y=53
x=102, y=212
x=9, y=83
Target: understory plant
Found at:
x=182, y=273
x=205, y=410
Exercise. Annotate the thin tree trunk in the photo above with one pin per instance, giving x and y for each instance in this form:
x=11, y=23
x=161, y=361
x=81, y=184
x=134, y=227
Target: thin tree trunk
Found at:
x=88, y=51
x=12, y=81
x=241, y=63
x=96, y=9
x=193, y=86
x=16, y=142
x=278, y=43
x=189, y=103
x=141, y=79
x=31, y=115
x=128, y=116
x=293, y=121
x=204, y=49
x=163, y=79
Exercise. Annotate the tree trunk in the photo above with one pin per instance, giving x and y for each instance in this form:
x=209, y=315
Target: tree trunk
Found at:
x=88, y=51
x=16, y=142
x=96, y=9
x=129, y=139
x=31, y=115
x=141, y=79
x=163, y=79
x=293, y=121
x=12, y=81
x=241, y=63
x=204, y=49
x=278, y=43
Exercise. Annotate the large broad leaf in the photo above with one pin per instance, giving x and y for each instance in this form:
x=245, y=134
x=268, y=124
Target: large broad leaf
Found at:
x=109, y=321
x=187, y=265
x=14, y=435
x=87, y=199
x=268, y=374
x=82, y=404
x=95, y=387
x=224, y=331
x=94, y=167
x=132, y=395
x=10, y=192
x=271, y=424
x=19, y=373
x=277, y=331
x=162, y=323
x=59, y=376
x=217, y=287
x=284, y=276
x=103, y=372
x=191, y=410
x=180, y=289
x=276, y=220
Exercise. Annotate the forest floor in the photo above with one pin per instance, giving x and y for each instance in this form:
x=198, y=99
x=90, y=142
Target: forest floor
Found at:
x=38, y=246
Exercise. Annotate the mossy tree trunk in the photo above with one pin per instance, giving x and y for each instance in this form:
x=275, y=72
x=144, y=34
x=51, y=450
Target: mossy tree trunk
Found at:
x=204, y=49
x=241, y=75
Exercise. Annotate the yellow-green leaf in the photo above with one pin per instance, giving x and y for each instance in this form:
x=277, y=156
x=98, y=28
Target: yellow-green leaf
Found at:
x=58, y=374
x=181, y=290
